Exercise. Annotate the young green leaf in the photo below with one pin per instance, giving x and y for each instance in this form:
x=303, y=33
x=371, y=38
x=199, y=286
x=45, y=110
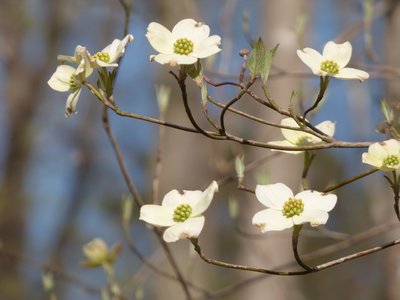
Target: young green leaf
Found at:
x=260, y=60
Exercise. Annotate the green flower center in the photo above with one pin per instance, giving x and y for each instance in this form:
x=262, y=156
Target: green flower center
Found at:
x=302, y=141
x=182, y=213
x=391, y=160
x=73, y=84
x=183, y=46
x=292, y=207
x=102, y=56
x=330, y=67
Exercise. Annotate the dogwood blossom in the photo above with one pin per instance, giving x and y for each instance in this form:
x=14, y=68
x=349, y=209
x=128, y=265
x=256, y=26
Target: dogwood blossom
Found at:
x=332, y=61
x=384, y=155
x=181, y=213
x=68, y=79
x=188, y=41
x=284, y=210
x=109, y=56
x=295, y=138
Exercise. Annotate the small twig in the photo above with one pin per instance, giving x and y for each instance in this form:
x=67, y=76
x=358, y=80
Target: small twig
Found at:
x=121, y=162
x=230, y=103
x=241, y=267
x=158, y=166
x=318, y=268
x=350, y=180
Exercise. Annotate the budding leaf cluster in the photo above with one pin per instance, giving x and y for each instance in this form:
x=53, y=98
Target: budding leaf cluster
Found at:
x=260, y=60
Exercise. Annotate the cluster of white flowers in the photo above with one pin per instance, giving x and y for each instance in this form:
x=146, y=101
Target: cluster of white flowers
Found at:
x=67, y=78
x=182, y=213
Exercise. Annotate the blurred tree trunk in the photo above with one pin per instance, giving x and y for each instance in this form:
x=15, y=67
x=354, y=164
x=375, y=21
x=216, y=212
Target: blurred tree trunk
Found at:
x=392, y=258
x=22, y=95
x=278, y=26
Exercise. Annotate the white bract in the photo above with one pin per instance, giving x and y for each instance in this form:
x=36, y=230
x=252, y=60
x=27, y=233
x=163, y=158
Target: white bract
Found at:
x=296, y=138
x=284, y=210
x=182, y=213
x=384, y=155
x=81, y=58
x=109, y=56
x=68, y=79
x=332, y=61
x=188, y=41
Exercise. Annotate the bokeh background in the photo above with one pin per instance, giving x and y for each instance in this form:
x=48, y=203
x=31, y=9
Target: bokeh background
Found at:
x=60, y=185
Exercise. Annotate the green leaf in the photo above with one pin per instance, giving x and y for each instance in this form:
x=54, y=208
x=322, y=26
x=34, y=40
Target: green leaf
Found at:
x=260, y=60
x=387, y=111
x=268, y=62
x=257, y=58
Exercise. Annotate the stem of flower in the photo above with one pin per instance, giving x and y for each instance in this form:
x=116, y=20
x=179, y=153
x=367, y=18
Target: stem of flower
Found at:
x=350, y=180
x=230, y=103
x=323, y=85
x=308, y=159
x=295, y=241
x=182, y=85
x=396, y=189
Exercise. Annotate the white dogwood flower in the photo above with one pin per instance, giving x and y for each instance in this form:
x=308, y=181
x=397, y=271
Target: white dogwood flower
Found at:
x=284, y=210
x=181, y=213
x=295, y=138
x=188, y=41
x=332, y=61
x=108, y=57
x=68, y=79
x=384, y=155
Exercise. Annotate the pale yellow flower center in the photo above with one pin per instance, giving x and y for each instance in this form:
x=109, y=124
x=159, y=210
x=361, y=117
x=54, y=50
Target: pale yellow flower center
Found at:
x=330, y=67
x=183, y=46
x=102, y=56
x=182, y=212
x=391, y=160
x=292, y=207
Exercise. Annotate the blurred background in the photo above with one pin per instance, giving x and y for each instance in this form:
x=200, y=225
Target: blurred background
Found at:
x=60, y=185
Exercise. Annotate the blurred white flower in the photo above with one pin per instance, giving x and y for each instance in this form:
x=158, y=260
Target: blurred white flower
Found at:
x=384, y=155
x=109, y=56
x=188, y=41
x=284, y=210
x=182, y=213
x=68, y=79
x=332, y=62
x=97, y=253
x=295, y=138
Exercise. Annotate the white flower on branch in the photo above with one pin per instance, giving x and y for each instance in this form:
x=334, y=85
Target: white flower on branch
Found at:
x=108, y=57
x=332, y=61
x=296, y=138
x=68, y=79
x=384, y=155
x=284, y=210
x=188, y=41
x=182, y=213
